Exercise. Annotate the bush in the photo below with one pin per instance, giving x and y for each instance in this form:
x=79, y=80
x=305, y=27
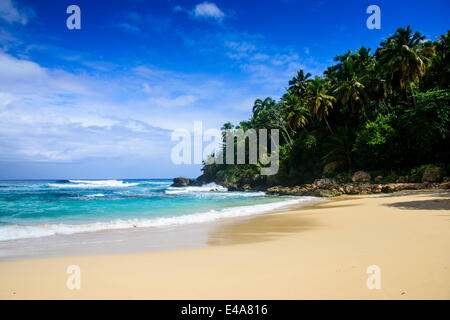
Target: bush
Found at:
x=374, y=141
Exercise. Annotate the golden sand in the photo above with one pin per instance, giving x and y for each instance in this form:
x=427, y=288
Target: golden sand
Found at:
x=319, y=252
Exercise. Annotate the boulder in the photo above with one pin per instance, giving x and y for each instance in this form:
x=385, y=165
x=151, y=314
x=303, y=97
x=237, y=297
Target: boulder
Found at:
x=324, y=182
x=180, y=182
x=326, y=193
x=446, y=179
x=361, y=176
x=376, y=188
x=387, y=188
x=433, y=175
x=445, y=185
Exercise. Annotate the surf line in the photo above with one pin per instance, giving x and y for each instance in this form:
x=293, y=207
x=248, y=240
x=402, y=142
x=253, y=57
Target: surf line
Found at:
x=209, y=311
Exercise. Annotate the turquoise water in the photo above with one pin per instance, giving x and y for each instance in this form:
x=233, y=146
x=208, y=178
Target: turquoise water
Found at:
x=31, y=209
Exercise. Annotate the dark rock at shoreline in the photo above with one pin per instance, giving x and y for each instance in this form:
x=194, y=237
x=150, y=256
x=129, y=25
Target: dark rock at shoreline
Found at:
x=324, y=182
x=361, y=176
x=183, y=182
x=180, y=182
x=444, y=185
x=352, y=188
x=323, y=187
x=433, y=175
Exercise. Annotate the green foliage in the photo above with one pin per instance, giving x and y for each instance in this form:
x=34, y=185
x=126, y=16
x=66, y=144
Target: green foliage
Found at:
x=417, y=173
x=376, y=133
x=373, y=143
x=387, y=112
x=427, y=127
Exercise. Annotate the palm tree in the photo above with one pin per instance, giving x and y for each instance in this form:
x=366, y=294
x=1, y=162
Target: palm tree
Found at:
x=405, y=58
x=299, y=83
x=295, y=111
x=351, y=90
x=267, y=114
x=319, y=101
x=443, y=59
x=439, y=72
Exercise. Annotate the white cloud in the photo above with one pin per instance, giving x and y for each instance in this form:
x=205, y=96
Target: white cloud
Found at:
x=51, y=115
x=180, y=101
x=10, y=14
x=208, y=9
x=205, y=9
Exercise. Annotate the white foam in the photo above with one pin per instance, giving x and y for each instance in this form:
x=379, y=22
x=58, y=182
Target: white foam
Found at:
x=93, y=184
x=14, y=232
x=95, y=195
x=191, y=189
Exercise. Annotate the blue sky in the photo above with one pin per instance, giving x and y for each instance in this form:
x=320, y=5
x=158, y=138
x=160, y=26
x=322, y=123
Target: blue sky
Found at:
x=101, y=102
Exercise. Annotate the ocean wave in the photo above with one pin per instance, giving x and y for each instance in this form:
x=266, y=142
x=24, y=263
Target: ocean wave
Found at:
x=14, y=232
x=93, y=184
x=191, y=189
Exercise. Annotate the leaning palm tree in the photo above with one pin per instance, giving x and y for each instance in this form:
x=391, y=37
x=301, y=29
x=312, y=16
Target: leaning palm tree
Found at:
x=299, y=83
x=319, y=101
x=295, y=110
x=405, y=58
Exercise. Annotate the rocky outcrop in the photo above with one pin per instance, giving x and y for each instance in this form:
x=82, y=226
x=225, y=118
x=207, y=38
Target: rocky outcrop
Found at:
x=324, y=182
x=361, y=176
x=433, y=175
x=352, y=188
x=180, y=182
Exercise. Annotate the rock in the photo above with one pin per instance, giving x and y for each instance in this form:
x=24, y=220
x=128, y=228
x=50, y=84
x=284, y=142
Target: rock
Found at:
x=376, y=188
x=361, y=176
x=433, y=175
x=378, y=179
x=446, y=179
x=324, y=182
x=387, y=189
x=444, y=185
x=180, y=182
x=364, y=188
x=350, y=189
x=246, y=187
x=326, y=193
x=231, y=186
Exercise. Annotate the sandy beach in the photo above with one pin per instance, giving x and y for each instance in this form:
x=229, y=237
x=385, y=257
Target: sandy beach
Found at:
x=317, y=252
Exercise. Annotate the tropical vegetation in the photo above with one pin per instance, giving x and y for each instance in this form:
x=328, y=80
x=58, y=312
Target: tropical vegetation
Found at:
x=386, y=111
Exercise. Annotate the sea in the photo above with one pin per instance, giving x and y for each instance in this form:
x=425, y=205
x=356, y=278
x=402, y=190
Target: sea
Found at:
x=38, y=209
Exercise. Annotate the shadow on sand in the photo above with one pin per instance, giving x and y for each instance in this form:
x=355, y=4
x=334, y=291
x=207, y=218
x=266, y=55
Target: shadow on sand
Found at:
x=435, y=204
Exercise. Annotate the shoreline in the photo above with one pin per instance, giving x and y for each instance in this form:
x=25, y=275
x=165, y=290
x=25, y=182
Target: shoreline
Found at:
x=141, y=239
x=316, y=252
